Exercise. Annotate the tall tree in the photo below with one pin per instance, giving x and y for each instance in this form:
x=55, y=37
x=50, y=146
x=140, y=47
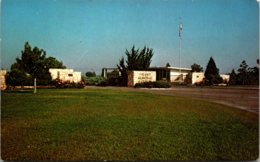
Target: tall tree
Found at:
x=135, y=60
x=254, y=73
x=34, y=63
x=243, y=74
x=247, y=75
x=233, y=78
x=212, y=73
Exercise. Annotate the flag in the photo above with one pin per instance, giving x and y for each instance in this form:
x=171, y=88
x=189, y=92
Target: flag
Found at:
x=180, y=29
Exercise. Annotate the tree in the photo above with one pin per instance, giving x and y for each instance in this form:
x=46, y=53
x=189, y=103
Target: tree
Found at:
x=196, y=68
x=247, y=75
x=168, y=64
x=135, y=61
x=254, y=74
x=233, y=78
x=34, y=63
x=243, y=74
x=90, y=74
x=18, y=78
x=212, y=73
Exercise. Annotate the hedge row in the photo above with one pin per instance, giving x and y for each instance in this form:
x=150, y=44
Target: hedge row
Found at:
x=61, y=84
x=157, y=84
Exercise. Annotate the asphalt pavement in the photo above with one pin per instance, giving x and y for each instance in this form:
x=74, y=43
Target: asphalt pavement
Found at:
x=245, y=98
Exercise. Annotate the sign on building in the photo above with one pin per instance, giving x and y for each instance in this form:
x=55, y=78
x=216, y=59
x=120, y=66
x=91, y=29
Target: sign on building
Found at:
x=140, y=77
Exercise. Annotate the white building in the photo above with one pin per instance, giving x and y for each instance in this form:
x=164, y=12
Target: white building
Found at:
x=197, y=77
x=65, y=75
x=225, y=78
x=2, y=79
x=171, y=74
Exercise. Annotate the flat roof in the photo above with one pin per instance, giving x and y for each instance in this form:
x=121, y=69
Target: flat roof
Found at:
x=171, y=68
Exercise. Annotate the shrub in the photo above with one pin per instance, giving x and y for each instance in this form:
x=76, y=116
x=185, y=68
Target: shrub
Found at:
x=97, y=80
x=157, y=84
x=66, y=84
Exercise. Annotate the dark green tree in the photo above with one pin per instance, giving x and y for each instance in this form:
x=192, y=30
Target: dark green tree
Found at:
x=247, y=75
x=212, y=73
x=168, y=64
x=233, y=78
x=254, y=74
x=90, y=74
x=196, y=68
x=243, y=77
x=18, y=78
x=34, y=63
x=135, y=60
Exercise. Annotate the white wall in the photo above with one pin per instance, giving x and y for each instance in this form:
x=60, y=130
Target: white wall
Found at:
x=143, y=76
x=65, y=75
x=197, y=77
x=174, y=76
x=225, y=77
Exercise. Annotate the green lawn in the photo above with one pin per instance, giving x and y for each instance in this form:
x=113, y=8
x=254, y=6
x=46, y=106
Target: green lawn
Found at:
x=106, y=124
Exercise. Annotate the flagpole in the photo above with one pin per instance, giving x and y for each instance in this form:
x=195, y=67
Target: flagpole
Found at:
x=180, y=30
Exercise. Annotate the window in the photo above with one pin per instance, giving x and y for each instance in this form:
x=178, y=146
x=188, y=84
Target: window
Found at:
x=70, y=75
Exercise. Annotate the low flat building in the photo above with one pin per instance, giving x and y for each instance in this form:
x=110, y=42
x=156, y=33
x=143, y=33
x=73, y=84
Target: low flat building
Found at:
x=198, y=77
x=65, y=75
x=171, y=74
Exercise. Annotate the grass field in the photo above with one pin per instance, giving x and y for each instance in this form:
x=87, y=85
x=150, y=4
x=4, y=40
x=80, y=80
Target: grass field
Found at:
x=105, y=124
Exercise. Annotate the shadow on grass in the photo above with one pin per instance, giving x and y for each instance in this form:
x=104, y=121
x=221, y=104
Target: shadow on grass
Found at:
x=19, y=91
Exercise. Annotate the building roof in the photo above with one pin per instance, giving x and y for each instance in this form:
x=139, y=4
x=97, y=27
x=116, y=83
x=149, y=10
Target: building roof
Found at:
x=171, y=68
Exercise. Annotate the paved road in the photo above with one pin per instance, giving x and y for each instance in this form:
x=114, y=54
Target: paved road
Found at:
x=245, y=98
x=242, y=98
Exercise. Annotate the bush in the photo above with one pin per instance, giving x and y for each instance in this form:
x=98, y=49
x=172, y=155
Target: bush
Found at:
x=18, y=78
x=61, y=84
x=157, y=84
x=98, y=80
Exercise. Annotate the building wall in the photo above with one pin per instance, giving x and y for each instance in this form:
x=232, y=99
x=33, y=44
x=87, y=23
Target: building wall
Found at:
x=172, y=74
x=225, y=77
x=175, y=76
x=197, y=77
x=2, y=79
x=65, y=75
x=140, y=77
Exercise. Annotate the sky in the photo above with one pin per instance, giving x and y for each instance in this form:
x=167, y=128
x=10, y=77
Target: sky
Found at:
x=87, y=35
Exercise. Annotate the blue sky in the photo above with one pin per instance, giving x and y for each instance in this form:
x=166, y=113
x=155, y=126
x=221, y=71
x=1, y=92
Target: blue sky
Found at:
x=90, y=34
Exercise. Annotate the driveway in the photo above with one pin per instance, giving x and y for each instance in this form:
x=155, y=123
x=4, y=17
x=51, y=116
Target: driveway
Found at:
x=238, y=97
x=245, y=98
